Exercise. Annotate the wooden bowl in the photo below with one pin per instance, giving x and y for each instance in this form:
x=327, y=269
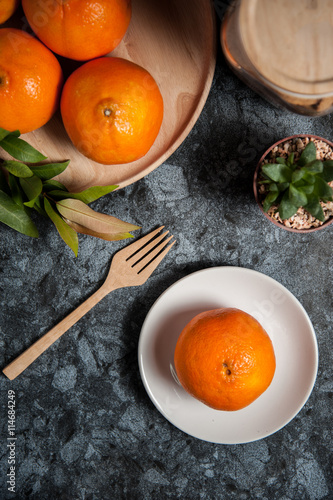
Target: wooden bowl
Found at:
x=176, y=43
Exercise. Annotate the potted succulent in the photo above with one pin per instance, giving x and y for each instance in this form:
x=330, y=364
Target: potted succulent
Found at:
x=293, y=183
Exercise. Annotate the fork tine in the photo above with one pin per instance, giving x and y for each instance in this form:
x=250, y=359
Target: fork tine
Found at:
x=152, y=264
x=134, y=247
x=141, y=263
x=139, y=254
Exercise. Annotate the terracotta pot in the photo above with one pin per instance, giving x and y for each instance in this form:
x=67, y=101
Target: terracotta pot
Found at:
x=255, y=185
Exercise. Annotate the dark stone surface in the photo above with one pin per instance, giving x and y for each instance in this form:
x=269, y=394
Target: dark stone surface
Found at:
x=85, y=427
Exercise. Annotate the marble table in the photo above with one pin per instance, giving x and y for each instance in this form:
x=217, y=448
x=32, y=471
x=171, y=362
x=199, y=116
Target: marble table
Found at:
x=85, y=426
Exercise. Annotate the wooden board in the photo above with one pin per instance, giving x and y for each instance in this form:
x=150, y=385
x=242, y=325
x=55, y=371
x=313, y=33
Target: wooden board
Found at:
x=176, y=42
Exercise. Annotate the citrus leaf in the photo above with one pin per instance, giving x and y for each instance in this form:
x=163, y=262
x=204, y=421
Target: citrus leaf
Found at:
x=52, y=184
x=15, y=190
x=308, y=154
x=78, y=212
x=21, y=150
x=67, y=233
x=88, y=196
x=17, y=168
x=93, y=193
x=3, y=182
x=58, y=194
x=32, y=186
x=4, y=133
x=104, y=236
x=15, y=216
x=49, y=170
x=31, y=203
x=39, y=205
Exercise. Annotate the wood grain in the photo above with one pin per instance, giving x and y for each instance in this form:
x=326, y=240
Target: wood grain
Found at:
x=176, y=42
x=290, y=43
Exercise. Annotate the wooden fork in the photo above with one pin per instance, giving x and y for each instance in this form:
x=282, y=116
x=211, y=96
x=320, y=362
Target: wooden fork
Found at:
x=131, y=266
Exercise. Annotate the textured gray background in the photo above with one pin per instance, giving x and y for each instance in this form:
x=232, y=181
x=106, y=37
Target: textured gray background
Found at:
x=86, y=429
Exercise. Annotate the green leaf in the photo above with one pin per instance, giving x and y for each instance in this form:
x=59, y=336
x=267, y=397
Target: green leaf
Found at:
x=307, y=189
x=4, y=133
x=49, y=170
x=314, y=167
x=273, y=187
x=17, y=168
x=298, y=175
x=31, y=203
x=87, y=196
x=21, y=150
x=308, y=154
x=314, y=208
x=286, y=208
x=15, y=190
x=277, y=172
x=52, y=184
x=32, y=186
x=328, y=171
x=3, y=182
x=104, y=236
x=282, y=186
x=93, y=193
x=78, y=212
x=297, y=197
x=39, y=205
x=290, y=161
x=269, y=200
x=59, y=194
x=15, y=216
x=67, y=233
x=309, y=178
x=280, y=160
x=322, y=189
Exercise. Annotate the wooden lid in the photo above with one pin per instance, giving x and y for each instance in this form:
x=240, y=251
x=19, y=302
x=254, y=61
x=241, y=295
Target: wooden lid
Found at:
x=290, y=43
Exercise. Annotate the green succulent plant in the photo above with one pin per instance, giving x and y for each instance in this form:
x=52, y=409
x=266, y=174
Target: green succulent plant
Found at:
x=291, y=184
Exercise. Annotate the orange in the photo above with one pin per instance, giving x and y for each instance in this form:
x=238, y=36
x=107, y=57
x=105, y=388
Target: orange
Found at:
x=224, y=358
x=30, y=81
x=79, y=29
x=112, y=110
x=7, y=9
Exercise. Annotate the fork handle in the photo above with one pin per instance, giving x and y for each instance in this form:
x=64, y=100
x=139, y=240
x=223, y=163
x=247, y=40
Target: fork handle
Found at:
x=32, y=353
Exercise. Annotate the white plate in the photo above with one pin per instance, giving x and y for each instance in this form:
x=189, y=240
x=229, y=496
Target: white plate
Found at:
x=284, y=319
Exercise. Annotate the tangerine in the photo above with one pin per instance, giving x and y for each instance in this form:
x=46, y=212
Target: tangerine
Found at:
x=224, y=358
x=30, y=81
x=112, y=110
x=79, y=29
x=7, y=9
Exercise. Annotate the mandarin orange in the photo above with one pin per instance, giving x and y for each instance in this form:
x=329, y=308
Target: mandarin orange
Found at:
x=79, y=29
x=224, y=358
x=7, y=9
x=112, y=110
x=30, y=81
